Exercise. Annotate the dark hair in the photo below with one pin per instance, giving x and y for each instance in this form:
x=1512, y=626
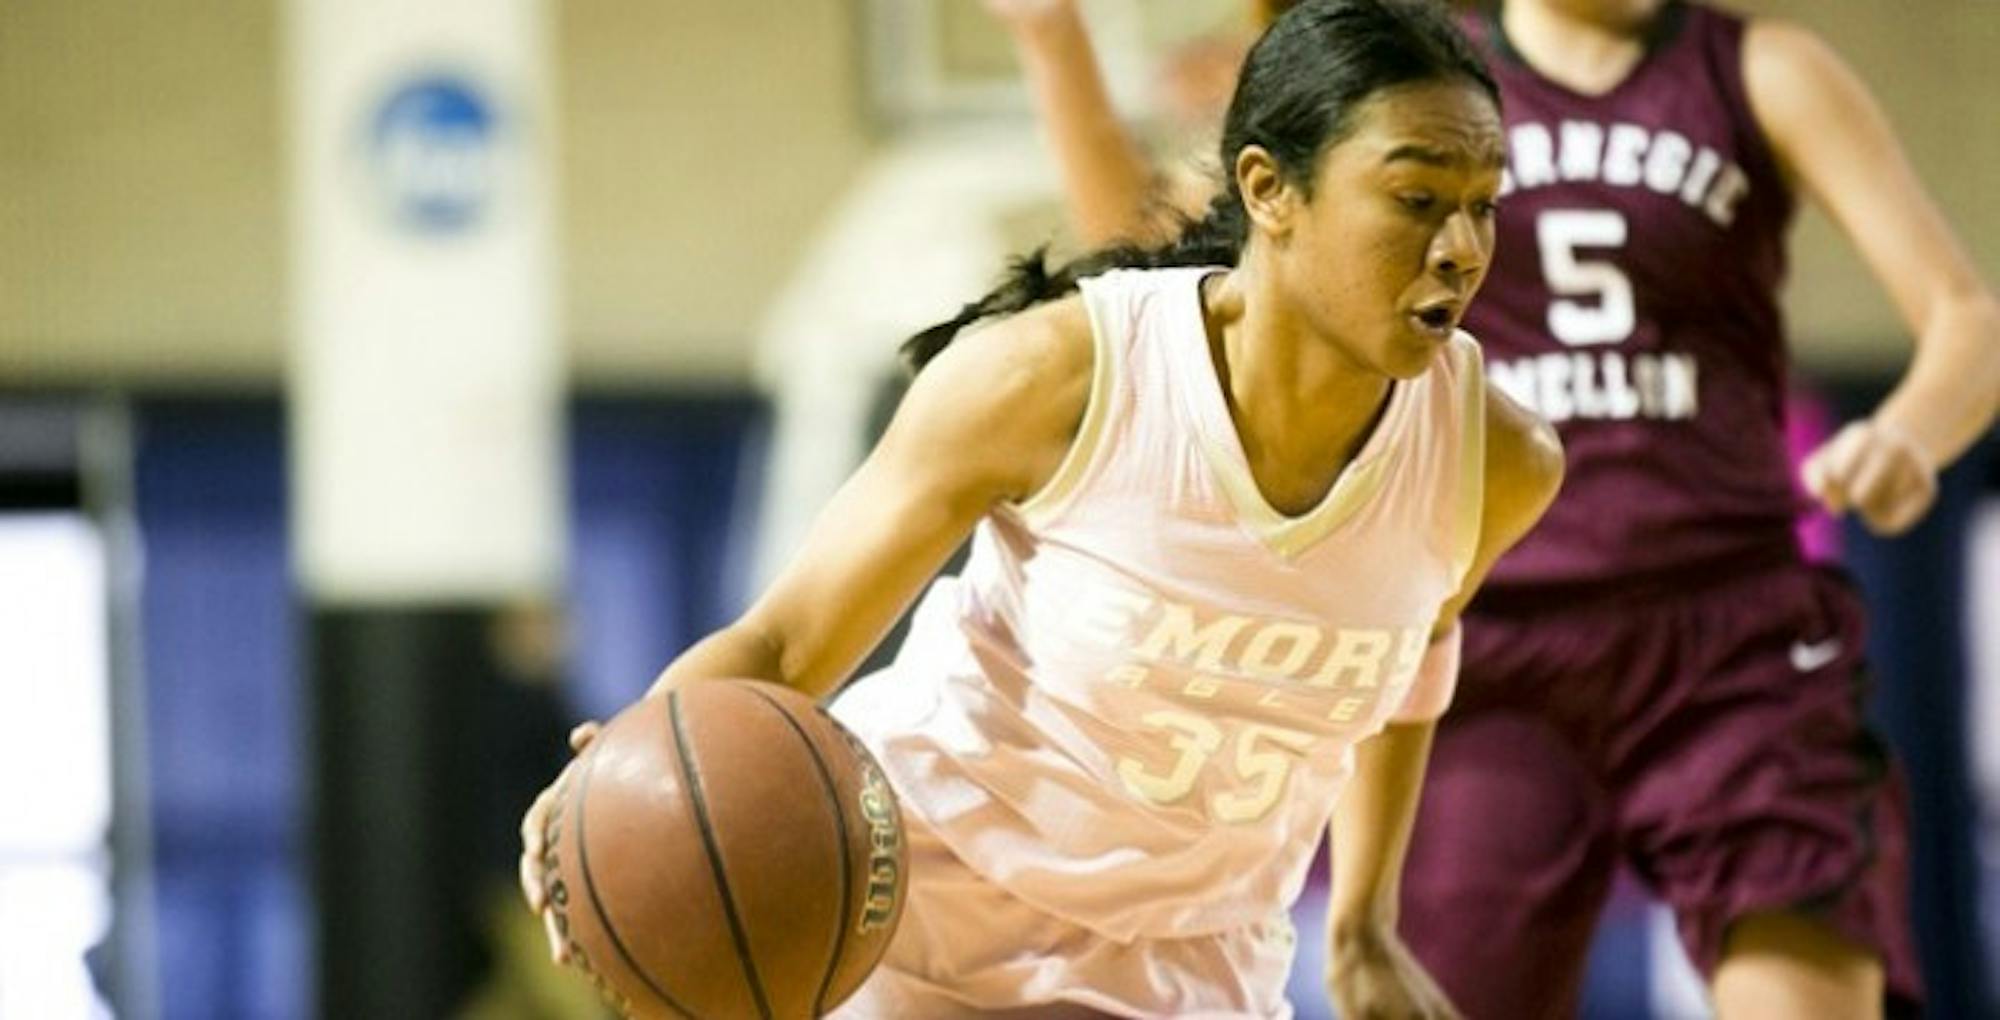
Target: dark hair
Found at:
x=1295, y=97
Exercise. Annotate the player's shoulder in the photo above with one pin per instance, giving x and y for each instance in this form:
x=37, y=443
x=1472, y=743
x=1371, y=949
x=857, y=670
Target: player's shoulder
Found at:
x=1524, y=458
x=1007, y=396
x=1784, y=64
x=1044, y=348
x=1023, y=353
x=1782, y=39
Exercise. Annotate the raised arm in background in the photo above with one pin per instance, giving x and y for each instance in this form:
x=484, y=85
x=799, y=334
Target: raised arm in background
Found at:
x=1107, y=181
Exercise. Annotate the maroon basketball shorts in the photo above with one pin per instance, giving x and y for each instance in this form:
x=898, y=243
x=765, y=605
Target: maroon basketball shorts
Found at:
x=1711, y=737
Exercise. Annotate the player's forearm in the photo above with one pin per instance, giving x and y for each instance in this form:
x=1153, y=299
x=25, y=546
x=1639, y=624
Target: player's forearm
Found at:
x=1371, y=829
x=1107, y=181
x=734, y=652
x=1949, y=396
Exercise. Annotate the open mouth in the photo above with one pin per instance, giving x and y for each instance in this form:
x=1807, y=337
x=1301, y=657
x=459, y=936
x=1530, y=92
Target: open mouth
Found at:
x=1436, y=320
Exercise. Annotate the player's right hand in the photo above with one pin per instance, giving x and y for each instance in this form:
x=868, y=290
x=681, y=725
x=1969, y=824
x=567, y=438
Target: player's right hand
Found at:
x=534, y=830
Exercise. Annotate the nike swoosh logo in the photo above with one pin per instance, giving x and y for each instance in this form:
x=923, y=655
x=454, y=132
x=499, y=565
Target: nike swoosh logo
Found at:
x=1810, y=656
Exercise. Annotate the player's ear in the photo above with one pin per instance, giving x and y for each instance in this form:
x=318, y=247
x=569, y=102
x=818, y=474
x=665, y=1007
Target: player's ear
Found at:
x=1269, y=200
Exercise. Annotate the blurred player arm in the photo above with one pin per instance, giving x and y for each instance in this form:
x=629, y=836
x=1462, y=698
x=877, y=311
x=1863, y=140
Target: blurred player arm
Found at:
x=1371, y=826
x=1836, y=143
x=987, y=420
x=1111, y=188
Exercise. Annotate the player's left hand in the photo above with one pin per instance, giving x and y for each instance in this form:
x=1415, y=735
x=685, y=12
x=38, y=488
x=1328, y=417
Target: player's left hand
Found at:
x=1372, y=976
x=1878, y=471
x=534, y=842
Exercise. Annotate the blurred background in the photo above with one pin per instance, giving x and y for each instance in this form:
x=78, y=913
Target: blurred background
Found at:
x=384, y=389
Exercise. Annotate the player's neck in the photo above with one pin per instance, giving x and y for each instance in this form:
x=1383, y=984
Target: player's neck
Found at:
x=1585, y=55
x=1293, y=398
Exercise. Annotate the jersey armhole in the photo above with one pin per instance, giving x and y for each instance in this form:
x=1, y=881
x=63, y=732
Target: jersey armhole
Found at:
x=1729, y=68
x=1043, y=506
x=1471, y=501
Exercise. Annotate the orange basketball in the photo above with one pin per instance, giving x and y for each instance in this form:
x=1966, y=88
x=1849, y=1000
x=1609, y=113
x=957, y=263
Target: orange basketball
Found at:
x=726, y=850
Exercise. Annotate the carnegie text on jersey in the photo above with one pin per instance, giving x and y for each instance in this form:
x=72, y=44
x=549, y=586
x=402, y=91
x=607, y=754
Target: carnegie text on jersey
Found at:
x=1625, y=156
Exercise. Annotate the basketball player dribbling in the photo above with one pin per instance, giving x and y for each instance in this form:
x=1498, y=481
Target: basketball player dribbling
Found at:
x=1225, y=503
x=1655, y=675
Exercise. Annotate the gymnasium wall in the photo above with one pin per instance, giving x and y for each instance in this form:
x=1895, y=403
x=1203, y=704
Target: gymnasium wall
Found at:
x=141, y=177
x=1931, y=64
x=141, y=217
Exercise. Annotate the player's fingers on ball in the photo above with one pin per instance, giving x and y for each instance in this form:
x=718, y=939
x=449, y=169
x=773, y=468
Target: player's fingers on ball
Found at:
x=531, y=881
x=558, y=946
x=532, y=843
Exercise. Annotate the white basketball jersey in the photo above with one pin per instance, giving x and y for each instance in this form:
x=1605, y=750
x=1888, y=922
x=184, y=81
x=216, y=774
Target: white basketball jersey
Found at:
x=1137, y=705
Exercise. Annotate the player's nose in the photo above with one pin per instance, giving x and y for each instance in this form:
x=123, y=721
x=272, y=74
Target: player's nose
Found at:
x=1458, y=248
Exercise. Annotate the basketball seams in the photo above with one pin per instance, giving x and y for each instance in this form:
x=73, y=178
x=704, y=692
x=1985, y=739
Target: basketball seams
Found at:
x=846, y=861
x=597, y=902
x=700, y=802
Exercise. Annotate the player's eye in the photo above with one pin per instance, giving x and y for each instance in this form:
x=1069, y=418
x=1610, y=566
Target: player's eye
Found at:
x=1417, y=201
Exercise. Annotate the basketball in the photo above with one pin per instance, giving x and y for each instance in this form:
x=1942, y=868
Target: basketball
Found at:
x=727, y=850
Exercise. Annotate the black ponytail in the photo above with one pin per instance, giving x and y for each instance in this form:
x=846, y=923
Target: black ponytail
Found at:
x=1295, y=98
x=1214, y=240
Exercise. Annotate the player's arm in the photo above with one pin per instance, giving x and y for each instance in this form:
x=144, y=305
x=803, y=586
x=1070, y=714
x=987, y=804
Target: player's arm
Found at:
x=988, y=419
x=1371, y=826
x=1836, y=143
x=1107, y=180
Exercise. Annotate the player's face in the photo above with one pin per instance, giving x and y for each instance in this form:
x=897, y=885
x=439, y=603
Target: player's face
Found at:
x=1398, y=233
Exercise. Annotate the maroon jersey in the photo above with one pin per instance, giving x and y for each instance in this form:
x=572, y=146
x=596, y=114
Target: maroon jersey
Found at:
x=1633, y=303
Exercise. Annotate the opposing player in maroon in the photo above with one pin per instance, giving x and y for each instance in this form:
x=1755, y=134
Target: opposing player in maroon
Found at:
x=1655, y=675
x=1638, y=307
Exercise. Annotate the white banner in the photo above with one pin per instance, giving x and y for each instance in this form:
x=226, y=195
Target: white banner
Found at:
x=425, y=370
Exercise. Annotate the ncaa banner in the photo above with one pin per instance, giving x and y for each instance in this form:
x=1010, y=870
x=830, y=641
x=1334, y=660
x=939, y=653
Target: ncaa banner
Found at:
x=425, y=369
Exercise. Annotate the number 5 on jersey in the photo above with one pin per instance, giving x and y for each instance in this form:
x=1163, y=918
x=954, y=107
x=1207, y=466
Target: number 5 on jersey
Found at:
x=1261, y=762
x=1610, y=315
